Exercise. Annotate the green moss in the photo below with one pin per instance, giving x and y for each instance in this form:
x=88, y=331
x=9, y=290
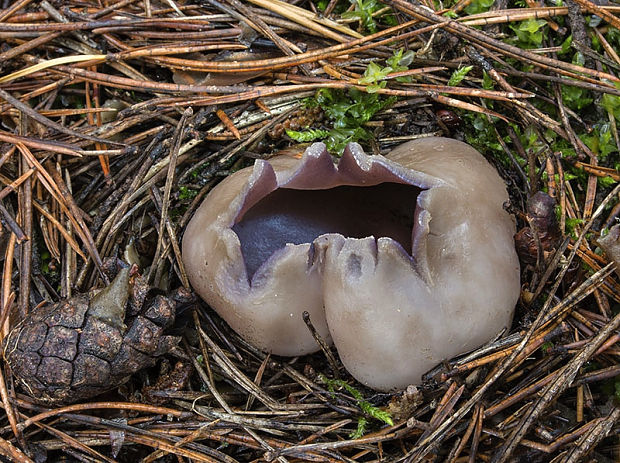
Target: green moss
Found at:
x=348, y=111
x=458, y=75
x=479, y=6
x=186, y=193
x=530, y=33
x=366, y=407
x=365, y=11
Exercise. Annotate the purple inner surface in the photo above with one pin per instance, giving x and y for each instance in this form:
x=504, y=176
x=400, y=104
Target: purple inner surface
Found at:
x=299, y=216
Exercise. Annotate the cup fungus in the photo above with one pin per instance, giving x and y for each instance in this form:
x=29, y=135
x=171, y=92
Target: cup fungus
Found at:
x=402, y=261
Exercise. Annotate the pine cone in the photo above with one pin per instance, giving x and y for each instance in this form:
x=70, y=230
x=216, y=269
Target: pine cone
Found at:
x=80, y=347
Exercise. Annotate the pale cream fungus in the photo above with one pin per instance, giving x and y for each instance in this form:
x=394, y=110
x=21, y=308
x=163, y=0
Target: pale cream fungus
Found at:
x=401, y=261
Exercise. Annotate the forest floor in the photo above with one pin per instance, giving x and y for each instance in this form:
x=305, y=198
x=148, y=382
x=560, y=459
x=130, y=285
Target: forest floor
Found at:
x=118, y=118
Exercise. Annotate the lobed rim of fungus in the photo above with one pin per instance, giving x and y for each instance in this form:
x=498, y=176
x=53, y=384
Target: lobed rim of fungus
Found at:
x=317, y=173
x=394, y=305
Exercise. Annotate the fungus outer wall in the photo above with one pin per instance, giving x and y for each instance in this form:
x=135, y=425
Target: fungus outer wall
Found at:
x=402, y=264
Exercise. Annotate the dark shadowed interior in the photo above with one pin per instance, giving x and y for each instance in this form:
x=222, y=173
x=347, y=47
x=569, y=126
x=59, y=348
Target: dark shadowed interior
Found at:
x=299, y=216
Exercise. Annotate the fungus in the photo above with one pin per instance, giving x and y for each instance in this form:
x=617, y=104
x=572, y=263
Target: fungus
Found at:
x=611, y=245
x=401, y=261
